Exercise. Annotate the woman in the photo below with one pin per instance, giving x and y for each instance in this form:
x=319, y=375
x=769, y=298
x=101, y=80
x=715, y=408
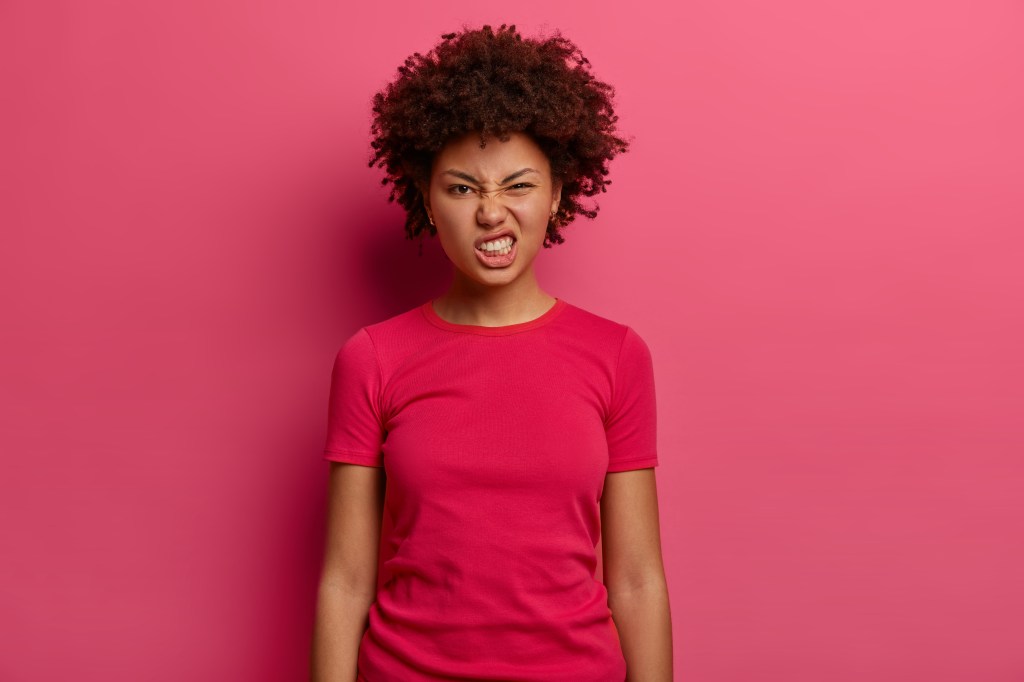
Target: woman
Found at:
x=515, y=429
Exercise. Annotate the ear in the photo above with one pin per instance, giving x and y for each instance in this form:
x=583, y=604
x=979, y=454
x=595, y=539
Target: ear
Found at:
x=556, y=195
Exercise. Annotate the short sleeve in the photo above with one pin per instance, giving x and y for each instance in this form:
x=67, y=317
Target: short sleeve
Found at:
x=631, y=426
x=355, y=430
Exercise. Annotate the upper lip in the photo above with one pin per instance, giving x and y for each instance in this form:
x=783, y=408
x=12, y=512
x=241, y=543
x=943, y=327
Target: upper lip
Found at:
x=492, y=236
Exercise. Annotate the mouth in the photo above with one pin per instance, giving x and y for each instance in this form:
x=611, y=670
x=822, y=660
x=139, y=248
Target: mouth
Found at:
x=497, y=252
x=499, y=246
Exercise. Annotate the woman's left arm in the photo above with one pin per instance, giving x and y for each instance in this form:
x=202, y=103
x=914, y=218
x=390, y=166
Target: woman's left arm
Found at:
x=634, y=574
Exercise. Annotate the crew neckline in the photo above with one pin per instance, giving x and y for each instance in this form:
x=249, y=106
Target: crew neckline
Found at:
x=546, y=317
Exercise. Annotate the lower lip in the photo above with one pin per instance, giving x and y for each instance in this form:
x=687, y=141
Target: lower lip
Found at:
x=496, y=261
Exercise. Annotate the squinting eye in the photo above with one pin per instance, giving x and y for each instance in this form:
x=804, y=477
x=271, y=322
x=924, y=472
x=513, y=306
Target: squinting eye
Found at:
x=520, y=188
x=460, y=189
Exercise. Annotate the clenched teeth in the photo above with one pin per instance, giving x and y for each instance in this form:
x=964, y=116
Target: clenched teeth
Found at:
x=499, y=247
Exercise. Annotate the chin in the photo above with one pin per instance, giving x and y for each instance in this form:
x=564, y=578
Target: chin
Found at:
x=498, y=281
x=493, y=278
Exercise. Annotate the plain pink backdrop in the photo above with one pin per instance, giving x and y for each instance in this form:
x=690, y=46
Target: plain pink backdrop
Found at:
x=818, y=231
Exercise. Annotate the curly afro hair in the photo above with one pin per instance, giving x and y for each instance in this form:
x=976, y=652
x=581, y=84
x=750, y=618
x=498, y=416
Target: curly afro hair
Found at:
x=495, y=83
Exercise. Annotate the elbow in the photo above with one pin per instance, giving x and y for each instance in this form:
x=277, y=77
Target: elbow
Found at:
x=349, y=588
x=652, y=582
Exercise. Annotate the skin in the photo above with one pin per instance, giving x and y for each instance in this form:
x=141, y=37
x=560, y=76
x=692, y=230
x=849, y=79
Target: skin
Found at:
x=634, y=574
x=493, y=296
x=348, y=579
x=482, y=295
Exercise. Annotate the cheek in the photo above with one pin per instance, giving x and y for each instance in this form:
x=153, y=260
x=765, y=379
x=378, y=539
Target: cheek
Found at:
x=452, y=236
x=451, y=212
x=538, y=217
x=447, y=239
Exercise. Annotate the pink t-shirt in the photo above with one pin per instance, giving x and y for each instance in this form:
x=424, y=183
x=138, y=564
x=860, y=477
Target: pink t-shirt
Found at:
x=495, y=442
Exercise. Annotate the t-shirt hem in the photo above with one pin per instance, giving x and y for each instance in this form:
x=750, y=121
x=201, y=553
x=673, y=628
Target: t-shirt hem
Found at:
x=363, y=458
x=630, y=464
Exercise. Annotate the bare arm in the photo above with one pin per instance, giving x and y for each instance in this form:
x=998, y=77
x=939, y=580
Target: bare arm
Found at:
x=635, y=575
x=348, y=580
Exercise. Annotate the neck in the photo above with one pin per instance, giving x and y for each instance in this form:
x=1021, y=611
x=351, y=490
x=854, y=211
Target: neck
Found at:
x=468, y=302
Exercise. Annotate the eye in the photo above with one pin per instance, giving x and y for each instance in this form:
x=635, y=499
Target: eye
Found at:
x=520, y=188
x=462, y=190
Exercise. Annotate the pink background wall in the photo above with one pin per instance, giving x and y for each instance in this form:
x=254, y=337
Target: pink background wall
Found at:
x=818, y=231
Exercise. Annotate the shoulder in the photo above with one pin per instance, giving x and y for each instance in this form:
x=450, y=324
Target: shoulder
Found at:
x=592, y=328
x=396, y=329
x=384, y=344
x=409, y=321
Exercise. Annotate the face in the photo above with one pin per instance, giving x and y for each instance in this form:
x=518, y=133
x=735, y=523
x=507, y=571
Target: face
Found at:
x=491, y=206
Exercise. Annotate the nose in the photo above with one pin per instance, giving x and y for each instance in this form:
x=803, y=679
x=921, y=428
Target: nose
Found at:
x=491, y=211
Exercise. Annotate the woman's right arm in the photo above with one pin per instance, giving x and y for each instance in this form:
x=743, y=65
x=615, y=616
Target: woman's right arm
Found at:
x=348, y=580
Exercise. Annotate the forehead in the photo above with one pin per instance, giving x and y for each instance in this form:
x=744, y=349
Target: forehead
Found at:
x=495, y=160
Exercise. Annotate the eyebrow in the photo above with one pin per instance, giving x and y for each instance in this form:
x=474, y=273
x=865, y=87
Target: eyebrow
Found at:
x=470, y=178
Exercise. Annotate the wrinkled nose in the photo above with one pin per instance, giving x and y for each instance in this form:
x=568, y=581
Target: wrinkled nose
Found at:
x=491, y=211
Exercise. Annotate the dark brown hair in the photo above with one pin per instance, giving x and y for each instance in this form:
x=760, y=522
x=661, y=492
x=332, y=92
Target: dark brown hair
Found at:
x=494, y=83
